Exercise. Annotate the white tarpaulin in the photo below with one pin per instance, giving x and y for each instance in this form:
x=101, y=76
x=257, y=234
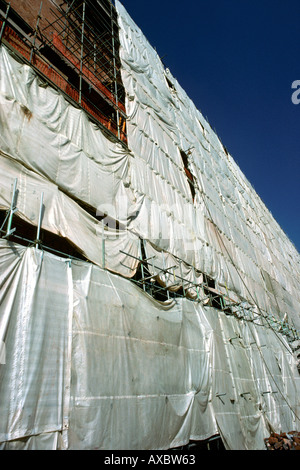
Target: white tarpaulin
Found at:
x=226, y=232
x=92, y=362
x=54, y=139
x=64, y=217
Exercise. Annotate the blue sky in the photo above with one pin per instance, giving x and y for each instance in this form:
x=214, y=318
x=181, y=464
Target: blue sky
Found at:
x=237, y=60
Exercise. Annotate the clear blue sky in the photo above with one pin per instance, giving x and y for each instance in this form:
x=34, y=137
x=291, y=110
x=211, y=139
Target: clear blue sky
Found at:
x=237, y=60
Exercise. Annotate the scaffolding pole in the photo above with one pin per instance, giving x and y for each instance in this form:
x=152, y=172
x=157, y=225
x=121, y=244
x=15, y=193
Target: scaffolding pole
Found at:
x=81, y=52
x=35, y=33
x=39, y=222
x=115, y=71
x=12, y=210
x=4, y=22
x=103, y=246
x=181, y=275
x=142, y=265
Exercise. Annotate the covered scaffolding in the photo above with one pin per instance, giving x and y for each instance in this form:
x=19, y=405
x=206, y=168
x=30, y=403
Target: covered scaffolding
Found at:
x=74, y=44
x=147, y=295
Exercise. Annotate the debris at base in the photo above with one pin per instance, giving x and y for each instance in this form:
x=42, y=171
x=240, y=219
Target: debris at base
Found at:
x=283, y=441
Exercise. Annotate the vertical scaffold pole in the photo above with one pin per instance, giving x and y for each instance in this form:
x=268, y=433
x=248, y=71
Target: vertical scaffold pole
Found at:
x=4, y=22
x=115, y=70
x=35, y=32
x=197, y=290
x=103, y=247
x=142, y=264
x=164, y=268
x=81, y=51
x=39, y=222
x=183, y=289
x=12, y=210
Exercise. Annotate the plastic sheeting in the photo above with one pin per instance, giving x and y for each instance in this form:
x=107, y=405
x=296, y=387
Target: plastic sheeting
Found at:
x=92, y=362
x=64, y=217
x=173, y=273
x=227, y=232
x=34, y=327
x=48, y=135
